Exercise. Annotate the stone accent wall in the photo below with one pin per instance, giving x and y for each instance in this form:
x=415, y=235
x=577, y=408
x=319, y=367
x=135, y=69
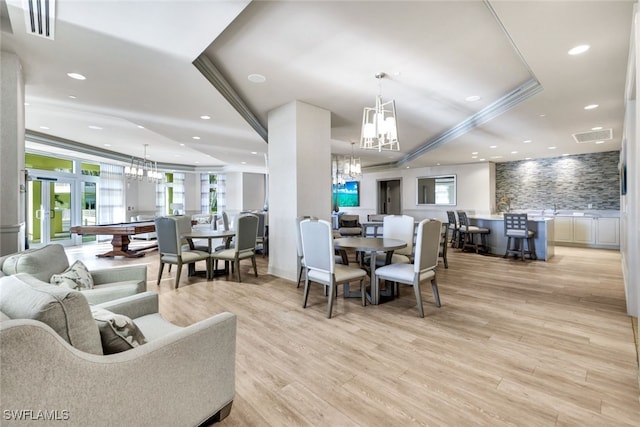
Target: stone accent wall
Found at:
x=568, y=182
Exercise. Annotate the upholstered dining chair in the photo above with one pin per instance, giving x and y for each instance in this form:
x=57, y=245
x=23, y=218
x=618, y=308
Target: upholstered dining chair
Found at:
x=320, y=265
x=469, y=232
x=262, y=241
x=171, y=248
x=400, y=227
x=424, y=263
x=246, y=227
x=517, y=231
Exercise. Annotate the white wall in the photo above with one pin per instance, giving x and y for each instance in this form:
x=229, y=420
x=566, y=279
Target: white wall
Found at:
x=475, y=184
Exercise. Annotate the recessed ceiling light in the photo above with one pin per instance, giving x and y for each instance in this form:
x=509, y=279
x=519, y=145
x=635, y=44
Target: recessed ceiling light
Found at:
x=205, y=117
x=551, y=148
x=474, y=153
x=599, y=142
x=26, y=104
x=496, y=157
x=181, y=144
x=482, y=160
x=243, y=163
x=543, y=115
x=196, y=162
x=45, y=127
x=514, y=152
x=256, y=78
x=195, y=137
x=95, y=127
x=408, y=167
x=493, y=146
x=591, y=106
x=565, y=154
x=107, y=145
x=76, y=76
x=526, y=141
x=527, y=158
x=140, y=127
x=472, y=98
x=579, y=49
x=474, y=157
x=254, y=152
x=597, y=128
x=72, y=96
x=437, y=164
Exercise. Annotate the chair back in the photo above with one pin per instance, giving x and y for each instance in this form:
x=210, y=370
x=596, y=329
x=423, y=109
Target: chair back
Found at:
x=168, y=236
x=399, y=227
x=298, y=235
x=427, y=245
x=317, y=245
x=464, y=220
x=451, y=216
x=184, y=226
x=515, y=222
x=262, y=224
x=246, y=232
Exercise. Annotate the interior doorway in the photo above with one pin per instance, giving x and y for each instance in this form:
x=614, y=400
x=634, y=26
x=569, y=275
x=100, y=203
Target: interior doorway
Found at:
x=390, y=197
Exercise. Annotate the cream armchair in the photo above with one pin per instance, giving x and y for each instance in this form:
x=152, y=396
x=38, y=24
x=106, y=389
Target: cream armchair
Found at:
x=179, y=377
x=109, y=283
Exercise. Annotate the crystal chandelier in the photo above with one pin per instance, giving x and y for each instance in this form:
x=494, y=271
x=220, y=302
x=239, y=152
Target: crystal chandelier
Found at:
x=142, y=168
x=351, y=166
x=379, y=126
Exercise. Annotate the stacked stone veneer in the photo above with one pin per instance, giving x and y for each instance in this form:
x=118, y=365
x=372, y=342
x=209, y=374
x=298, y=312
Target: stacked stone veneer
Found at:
x=568, y=182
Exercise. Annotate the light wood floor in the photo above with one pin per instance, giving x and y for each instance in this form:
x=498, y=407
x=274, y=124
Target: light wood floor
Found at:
x=527, y=344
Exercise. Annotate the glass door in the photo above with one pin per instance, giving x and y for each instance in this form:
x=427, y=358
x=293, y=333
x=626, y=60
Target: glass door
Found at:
x=49, y=208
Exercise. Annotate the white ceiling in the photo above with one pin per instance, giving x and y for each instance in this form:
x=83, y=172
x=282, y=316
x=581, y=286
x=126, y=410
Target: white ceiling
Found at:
x=137, y=57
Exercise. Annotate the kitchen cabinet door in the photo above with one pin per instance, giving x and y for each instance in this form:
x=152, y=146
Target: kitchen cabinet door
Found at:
x=608, y=231
x=563, y=229
x=583, y=230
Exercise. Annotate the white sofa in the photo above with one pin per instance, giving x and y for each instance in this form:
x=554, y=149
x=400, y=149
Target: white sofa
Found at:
x=109, y=283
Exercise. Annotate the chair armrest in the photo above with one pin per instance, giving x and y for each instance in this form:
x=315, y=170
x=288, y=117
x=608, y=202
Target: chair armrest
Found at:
x=133, y=306
x=121, y=274
x=189, y=375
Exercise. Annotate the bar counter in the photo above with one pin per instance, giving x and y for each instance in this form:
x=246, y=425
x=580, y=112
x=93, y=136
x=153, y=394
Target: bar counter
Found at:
x=497, y=241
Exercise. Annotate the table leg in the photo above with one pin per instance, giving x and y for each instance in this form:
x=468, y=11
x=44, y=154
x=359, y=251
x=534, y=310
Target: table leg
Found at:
x=120, y=247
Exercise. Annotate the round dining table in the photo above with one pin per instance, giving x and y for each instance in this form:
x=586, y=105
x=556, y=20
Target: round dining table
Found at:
x=371, y=246
x=210, y=235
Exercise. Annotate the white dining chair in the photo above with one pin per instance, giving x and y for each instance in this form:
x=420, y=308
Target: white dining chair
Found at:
x=320, y=265
x=424, y=263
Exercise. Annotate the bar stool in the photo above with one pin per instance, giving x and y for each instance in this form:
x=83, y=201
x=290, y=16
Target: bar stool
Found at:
x=468, y=233
x=515, y=227
x=454, y=229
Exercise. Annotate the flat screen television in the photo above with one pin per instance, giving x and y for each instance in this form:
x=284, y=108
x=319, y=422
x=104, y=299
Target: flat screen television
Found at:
x=347, y=194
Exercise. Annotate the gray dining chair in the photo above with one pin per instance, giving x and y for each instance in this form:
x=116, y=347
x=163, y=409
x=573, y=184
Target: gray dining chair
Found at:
x=172, y=250
x=319, y=259
x=246, y=228
x=424, y=263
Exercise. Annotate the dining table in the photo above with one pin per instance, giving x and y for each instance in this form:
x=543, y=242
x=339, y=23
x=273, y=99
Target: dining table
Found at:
x=371, y=246
x=210, y=235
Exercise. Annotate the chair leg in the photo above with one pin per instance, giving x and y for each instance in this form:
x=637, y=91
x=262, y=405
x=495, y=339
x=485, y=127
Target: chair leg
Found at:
x=255, y=268
x=363, y=292
x=416, y=289
x=299, y=277
x=236, y=263
x=178, y=271
x=522, y=249
x=436, y=294
x=170, y=265
x=306, y=292
x=506, y=252
x=532, y=249
x=331, y=296
x=160, y=273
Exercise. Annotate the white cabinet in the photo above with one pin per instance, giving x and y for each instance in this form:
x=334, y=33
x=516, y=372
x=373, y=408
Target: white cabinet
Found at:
x=583, y=230
x=608, y=231
x=563, y=229
x=587, y=231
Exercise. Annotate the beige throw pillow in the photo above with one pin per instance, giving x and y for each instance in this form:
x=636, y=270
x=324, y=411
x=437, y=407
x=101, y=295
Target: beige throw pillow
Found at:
x=77, y=276
x=117, y=332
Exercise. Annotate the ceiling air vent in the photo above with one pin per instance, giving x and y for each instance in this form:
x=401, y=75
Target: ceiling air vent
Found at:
x=39, y=16
x=592, y=136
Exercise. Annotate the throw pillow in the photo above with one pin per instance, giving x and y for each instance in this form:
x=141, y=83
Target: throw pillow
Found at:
x=350, y=223
x=203, y=220
x=75, y=277
x=117, y=332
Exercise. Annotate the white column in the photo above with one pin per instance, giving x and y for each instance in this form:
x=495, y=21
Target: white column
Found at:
x=12, y=190
x=299, y=178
